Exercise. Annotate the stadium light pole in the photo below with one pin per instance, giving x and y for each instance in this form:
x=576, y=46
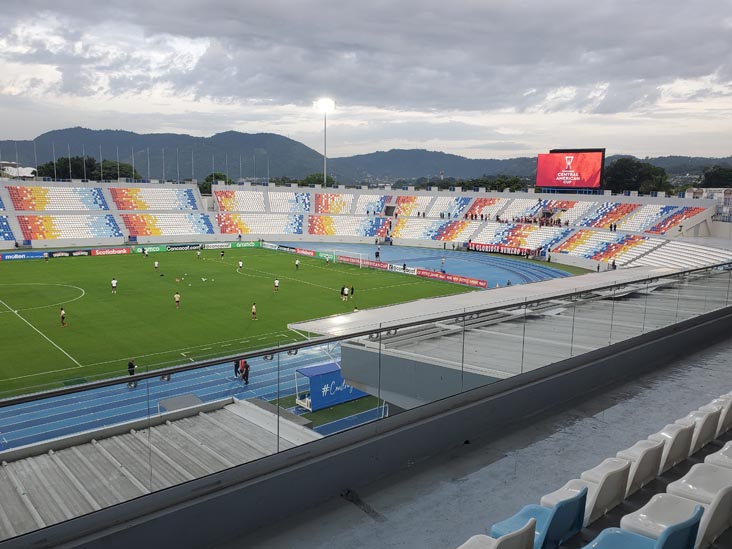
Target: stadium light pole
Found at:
x=325, y=105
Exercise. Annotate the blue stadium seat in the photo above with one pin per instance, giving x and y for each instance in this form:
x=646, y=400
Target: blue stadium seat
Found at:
x=677, y=536
x=553, y=526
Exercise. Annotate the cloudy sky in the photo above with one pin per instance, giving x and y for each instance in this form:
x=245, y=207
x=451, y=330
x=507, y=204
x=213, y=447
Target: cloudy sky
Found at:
x=479, y=78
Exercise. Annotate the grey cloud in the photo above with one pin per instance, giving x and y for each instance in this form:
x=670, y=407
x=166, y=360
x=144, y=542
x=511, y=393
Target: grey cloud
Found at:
x=421, y=55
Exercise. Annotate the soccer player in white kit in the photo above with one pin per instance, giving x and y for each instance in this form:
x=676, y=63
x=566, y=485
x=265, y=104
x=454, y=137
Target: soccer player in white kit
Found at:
x=241, y=264
x=276, y=284
x=155, y=265
x=114, y=285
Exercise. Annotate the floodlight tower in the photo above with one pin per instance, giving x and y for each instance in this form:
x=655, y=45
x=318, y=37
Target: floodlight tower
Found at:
x=325, y=105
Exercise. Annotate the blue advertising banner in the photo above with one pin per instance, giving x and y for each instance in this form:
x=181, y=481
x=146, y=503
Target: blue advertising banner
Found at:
x=24, y=255
x=327, y=386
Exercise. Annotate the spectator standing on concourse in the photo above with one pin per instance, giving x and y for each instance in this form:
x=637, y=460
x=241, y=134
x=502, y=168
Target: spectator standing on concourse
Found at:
x=244, y=369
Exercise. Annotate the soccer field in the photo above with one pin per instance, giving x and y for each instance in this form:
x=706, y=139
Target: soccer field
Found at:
x=214, y=319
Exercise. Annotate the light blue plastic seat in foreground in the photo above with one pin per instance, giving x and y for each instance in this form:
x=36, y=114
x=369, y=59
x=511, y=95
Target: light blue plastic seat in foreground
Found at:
x=677, y=536
x=553, y=525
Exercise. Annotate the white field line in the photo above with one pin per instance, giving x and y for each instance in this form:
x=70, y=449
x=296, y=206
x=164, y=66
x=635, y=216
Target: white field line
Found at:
x=83, y=293
x=170, y=351
x=273, y=275
x=44, y=336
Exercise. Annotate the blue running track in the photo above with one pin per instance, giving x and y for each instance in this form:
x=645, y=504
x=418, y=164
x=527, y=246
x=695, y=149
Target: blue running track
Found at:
x=492, y=268
x=46, y=419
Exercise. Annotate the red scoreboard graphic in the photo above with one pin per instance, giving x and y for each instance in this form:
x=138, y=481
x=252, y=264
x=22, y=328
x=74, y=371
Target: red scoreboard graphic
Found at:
x=570, y=169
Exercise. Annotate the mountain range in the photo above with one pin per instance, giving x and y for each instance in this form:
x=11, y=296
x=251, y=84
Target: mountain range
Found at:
x=265, y=155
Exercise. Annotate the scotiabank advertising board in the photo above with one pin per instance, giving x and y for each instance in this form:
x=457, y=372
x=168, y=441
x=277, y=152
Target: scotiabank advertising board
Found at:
x=569, y=170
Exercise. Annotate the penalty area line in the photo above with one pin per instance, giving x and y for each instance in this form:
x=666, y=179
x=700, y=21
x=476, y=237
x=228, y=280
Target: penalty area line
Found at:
x=44, y=336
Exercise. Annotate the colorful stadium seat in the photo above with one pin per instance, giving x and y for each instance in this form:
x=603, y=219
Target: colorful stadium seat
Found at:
x=48, y=199
x=333, y=203
x=153, y=198
x=167, y=224
x=488, y=207
x=52, y=227
x=675, y=219
x=325, y=225
x=451, y=207
x=370, y=204
x=608, y=213
x=231, y=223
x=6, y=233
x=289, y=202
x=240, y=201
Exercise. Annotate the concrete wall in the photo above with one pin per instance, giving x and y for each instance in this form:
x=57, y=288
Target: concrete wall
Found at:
x=721, y=230
x=78, y=243
x=225, y=505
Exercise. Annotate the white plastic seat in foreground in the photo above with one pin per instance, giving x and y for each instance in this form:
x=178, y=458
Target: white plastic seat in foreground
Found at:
x=676, y=440
x=705, y=425
x=520, y=539
x=661, y=512
x=723, y=458
x=711, y=486
x=645, y=462
x=725, y=417
x=606, y=485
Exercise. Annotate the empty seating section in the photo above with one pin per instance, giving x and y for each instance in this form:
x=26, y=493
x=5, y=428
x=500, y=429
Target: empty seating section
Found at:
x=240, y=201
x=645, y=217
x=520, y=235
x=450, y=207
x=230, y=223
x=325, y=225
x=153, y=198
x=624, y=250
x=520, y=207
x=683, y=255
x=333, y=203
x=167, y=224
x=370, y=204
x=2, y=205
x=42, y=199
x=692, y=513
x=407, y=206
x=607, y=246
x=607, y=213
x=675, y=219
x=289, y=202
x=578, y=211
x=557, y=206
x=430, y=229
x=52, y=227
x=456, y=231
x=6, y=233
x=488, y=207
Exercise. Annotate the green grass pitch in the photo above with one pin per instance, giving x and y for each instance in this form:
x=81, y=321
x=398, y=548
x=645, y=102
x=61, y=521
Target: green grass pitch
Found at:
x=104, y=330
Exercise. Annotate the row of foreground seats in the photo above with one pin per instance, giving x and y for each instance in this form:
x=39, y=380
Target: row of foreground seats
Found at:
x=695, y=510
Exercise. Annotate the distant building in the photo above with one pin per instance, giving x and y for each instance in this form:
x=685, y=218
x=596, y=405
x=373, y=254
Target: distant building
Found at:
x=11, y=169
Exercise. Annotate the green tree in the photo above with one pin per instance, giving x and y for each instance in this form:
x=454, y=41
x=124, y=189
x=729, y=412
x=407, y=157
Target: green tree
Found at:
x=316, y=179
x=205, y=185
x=61, y=171
x=717, y=177
x=110, y=171
x=630, y=174
x=92, y=169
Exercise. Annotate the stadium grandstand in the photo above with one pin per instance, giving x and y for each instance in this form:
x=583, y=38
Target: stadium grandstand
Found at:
x=580, y=393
